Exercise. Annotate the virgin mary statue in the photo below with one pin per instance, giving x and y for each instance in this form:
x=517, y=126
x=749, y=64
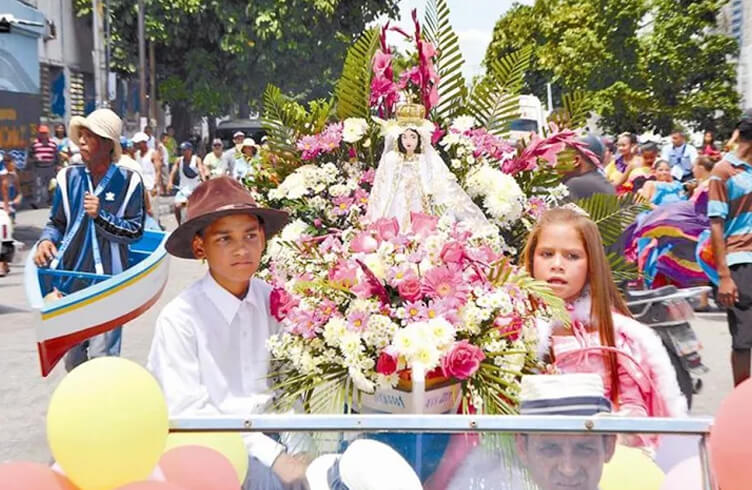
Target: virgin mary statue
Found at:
x=412, y=177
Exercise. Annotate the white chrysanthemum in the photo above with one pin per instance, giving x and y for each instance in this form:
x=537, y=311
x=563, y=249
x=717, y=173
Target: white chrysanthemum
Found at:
x=338, y=190
x=350, y=344
x=463, y=123
x=293, y=187
x=360, y=381
x=354, y=128
x=472, y=317
x=405, y=342
x=450, y=139
x=364, y=305
x=293, y=231
x=384, y=382
x=334, y=330
x=375, y=263
x=426, y=355
x=380, y=331
x=441, y=331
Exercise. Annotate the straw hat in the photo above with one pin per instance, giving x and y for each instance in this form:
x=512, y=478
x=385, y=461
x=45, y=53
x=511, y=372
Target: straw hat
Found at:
x=102, y=122
x=215, y=199
x=249, y=142
x=365, y=465
x=140, y=137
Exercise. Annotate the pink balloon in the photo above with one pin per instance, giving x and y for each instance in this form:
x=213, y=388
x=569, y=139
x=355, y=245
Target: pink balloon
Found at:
x=730, y=436
x=150, y=485
x=198, y=468
x=686, y=475
x=24, y=475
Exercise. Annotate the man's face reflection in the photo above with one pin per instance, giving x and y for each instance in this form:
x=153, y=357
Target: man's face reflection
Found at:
x=563, y=461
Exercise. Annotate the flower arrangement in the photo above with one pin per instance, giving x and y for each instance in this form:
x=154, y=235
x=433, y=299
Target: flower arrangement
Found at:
x=361, y=307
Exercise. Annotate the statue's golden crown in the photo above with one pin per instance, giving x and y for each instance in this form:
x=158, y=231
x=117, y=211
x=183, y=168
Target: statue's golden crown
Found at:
x=410, y=114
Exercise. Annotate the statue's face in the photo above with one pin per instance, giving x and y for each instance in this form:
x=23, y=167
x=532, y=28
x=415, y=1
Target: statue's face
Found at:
x=409, y=140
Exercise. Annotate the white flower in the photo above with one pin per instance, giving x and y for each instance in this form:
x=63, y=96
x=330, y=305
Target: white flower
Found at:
x=456, y=163
x=463, y=123
x=353, y=130
x=376, y=265
x=350, y=344
x=428, y=356
x=441, y=331
x=334, y=330
x=338, y=190
x=405, y=342
x=293, y=231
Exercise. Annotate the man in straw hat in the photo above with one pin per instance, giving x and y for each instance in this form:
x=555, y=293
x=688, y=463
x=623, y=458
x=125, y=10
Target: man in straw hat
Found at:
x=208, y=352
x=98, y=209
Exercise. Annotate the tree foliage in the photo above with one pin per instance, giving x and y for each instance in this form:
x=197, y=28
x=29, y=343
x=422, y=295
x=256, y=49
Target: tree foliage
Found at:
x=646, y=64
x=214, y=54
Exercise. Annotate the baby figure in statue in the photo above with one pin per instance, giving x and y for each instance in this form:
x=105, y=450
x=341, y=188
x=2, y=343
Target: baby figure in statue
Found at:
x=412, y=177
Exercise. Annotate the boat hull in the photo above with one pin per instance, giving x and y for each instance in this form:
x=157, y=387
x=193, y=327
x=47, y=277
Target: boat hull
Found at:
x=63, y=323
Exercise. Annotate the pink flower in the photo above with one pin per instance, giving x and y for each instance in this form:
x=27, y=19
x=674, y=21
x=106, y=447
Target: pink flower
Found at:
x=364, y=242
x=327, y=309
x=462, y=361
x=509, y=327
x=357, y=320
x=437, y=134
x=305, y=323
x=484, y=255
x=368, y=176
x=415, y=311
x=280, y=303
x=361, y=197
x=386, y=229
x=381, y=62
x=382, y=88
x=344, y=273
x=386, y=364
x=423, y=224
x=341, y=205
x=410, y=289
x=410, y=76
x=445, y=284
x=427, y=50
x=453, y=253
x=537, y=207
x=377, y=289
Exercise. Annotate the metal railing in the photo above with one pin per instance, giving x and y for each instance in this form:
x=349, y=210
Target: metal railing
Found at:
x=699, y=426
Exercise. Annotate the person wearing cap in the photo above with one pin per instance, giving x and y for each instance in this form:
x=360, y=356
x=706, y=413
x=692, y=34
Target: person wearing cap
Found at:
x=127, y=161
x=208, y=352
x=44, y=160
x=190, y=172
x=246, y=163
x=235, y=152
x=585, y=179
x=730, y=213
x=365, y=465
x=541, y=461
x=97, y=211
x=214, y=162
x=151, y=164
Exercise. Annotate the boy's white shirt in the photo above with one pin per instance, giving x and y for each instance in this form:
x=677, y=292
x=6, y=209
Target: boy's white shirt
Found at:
x=209, y=355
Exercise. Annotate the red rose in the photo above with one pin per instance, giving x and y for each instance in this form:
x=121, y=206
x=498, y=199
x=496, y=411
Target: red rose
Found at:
x=280, y=303
x=462, y=361
x=410, y=289
x=453, y=253
x=510, y=327
x=387, y=364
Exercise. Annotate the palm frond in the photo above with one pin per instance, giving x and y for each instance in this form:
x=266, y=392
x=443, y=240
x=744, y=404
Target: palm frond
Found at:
x=577, y=107
x=494, y=102
x=279, y=120
x=612, y=214
x=621, y=269
x=354, y=86
x=452, y=86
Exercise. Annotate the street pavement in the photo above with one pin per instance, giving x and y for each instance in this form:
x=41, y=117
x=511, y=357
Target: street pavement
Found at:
x=24, y=394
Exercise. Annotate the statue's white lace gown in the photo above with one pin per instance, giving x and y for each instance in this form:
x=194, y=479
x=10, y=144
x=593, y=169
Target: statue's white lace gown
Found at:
x=419, y=184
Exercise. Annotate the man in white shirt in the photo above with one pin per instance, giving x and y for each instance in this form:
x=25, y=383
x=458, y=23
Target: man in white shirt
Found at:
x=209, y=348
x=680, y=155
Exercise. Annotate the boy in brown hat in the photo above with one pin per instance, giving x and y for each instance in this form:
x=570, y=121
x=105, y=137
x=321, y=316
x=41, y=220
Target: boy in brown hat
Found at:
x=209, y=348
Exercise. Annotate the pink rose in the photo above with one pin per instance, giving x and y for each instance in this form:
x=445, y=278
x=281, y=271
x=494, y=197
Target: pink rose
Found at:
x=453, y=253
x=423, y=224
x=386, y=229
x=280, y=303
x=410, y=289
x=387, y=364
x=364, y=242
x=462, y=361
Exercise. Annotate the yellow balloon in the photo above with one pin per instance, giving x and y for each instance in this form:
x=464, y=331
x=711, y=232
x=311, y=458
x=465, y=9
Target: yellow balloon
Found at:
x=228, y=443
x=107, y=423
x=631, y=468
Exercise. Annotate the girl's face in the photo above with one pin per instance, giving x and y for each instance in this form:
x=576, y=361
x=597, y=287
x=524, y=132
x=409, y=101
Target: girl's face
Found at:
x=560, y=260
x=699, y=172
x=663, y=173
x=708, y=138
x=624, y=146
x=409, y=140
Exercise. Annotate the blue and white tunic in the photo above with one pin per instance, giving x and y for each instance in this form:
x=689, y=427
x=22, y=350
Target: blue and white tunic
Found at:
x=119, y=223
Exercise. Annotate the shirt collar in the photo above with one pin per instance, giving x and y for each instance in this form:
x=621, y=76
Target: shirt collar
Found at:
x=225, y=301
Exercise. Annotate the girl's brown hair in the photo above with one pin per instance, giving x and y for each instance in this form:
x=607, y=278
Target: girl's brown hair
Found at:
x=605, y=297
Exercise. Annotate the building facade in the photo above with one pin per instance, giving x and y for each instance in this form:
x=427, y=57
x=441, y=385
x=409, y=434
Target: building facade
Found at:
x=736, y=20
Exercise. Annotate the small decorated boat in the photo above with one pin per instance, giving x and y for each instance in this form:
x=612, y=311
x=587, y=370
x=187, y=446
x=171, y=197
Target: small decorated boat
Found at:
x=110, y=301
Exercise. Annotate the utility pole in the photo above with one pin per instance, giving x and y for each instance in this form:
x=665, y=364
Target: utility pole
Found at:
x=143, y=110
x=97, y=54
x=152, y=84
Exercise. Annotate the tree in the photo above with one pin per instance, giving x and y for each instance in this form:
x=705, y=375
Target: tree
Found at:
x=648, y=64
x=212, y=55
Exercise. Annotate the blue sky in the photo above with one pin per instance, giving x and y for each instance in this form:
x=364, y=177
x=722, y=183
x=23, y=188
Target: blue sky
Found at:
x=473, y=21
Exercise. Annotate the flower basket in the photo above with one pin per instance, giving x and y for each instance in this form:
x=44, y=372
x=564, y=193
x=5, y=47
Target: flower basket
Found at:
x=435, y=396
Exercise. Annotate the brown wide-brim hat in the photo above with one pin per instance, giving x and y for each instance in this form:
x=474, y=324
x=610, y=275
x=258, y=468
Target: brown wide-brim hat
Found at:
x=216, y=199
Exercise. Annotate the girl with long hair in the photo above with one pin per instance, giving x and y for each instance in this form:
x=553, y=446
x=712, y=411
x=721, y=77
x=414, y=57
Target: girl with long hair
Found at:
x=565, y=250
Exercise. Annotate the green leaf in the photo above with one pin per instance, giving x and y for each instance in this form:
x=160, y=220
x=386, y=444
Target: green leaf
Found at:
x=353, y=89
x=612, y=214
x=278, y=121
x=577, y=107
x=449, y=61
x=621, y=269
